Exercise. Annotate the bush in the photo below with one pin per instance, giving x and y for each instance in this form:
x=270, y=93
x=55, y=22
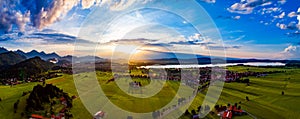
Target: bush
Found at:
x=16, y=106
x=187, y=112
x=217, y=107
x=24, y=93
x=246, y=81
x=247, y=98
x=194, y=112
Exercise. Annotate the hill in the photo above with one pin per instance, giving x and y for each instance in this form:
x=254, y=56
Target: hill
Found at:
x=29, y=67
x=10, y=58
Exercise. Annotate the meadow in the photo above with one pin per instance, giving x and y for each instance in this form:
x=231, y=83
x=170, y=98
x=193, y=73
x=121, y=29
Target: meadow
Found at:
x=266, y=100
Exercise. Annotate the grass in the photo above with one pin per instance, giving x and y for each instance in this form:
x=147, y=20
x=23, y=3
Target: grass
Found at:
x=264, y=93
x=265, y=96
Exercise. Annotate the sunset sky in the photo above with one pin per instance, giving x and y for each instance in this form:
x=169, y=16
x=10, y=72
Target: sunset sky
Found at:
x=235, y=28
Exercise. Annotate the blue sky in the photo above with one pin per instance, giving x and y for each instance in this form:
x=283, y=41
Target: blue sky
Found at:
x=235, y=28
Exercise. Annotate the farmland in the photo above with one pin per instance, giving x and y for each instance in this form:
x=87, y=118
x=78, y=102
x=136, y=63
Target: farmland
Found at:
x=265, y=94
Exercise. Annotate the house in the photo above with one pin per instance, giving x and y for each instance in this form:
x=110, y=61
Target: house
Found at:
x=35, y=116
x=227, y=115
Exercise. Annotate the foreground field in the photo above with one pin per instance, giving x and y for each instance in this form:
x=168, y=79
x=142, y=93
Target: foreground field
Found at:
x=266, y=100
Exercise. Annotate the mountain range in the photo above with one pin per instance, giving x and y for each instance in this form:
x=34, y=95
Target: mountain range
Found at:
x=41, y=54
x=12, y=57
x=3, y=50
x=9, y=58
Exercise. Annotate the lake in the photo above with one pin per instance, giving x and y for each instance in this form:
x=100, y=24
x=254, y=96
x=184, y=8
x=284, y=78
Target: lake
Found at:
x=214, y=65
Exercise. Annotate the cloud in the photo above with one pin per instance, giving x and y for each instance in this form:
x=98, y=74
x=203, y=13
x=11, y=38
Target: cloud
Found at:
x=291, y=26
x=292, y=14
x=229, y=17
x=89, y=3
x=290, y=48
x=10, y=17
x=295, y=34
x=237, y=17
x=281, y=26
x=280, y=16
x=224, y=47
x=52, y=12
x=298, y=18
x=121, y=4
x=27, y=14
x=296, y=14
x=270, y=10
x=37, y=13
x=247, y=6
x=209, y=1
x=291, y=52
x=9, y=36
x=194, y=37
x=282, y=1
x=234, y=39
x=140, y=41
x=39, y=38
x=190, y=43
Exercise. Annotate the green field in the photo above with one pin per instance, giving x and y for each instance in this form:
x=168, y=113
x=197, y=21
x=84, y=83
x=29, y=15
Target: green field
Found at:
x=264, y=93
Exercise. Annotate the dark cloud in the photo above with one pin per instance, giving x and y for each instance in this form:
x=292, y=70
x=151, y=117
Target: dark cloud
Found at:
x=159, y=45
x=56, y=38
x=12, y=16
x=236, y=47
x=184, y=43
x=25, y=14
x=224, y=47
x=191, y=43
x=10, y=36
x=47, y=37
x=16, y=14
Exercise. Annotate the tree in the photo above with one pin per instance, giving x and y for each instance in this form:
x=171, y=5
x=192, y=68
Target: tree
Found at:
x=199, y=108
x=22, y=74
x=246, y=80
x=193, y=112
x=247, y=98
x=16, y=106
x=217, y=107
x=187, y=112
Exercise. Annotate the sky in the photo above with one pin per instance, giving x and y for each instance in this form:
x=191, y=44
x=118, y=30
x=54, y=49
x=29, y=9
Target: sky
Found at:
x=262, y=29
